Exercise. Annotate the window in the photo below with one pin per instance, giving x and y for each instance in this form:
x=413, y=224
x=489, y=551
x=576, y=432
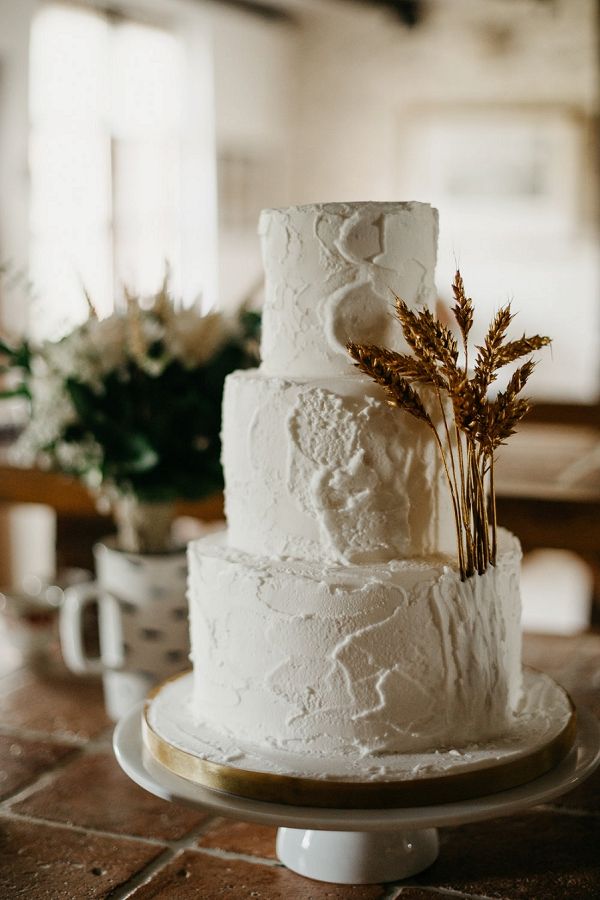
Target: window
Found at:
x=107, y=159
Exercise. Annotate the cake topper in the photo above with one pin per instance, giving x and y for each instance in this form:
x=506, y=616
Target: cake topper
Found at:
x=472, y=425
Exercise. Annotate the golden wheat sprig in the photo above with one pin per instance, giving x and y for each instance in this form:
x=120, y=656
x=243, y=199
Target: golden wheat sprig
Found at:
x=429, y=339
x=439, y=338
x=499, y=419
x=514, y=350
x=481, y=425
x=519, y=378
x=463, y=308
x=431, y=342
x=371, y=360
x=466, y=405
x=487, y=361
x=413, y=330
x=400, y=363
x=403, y=395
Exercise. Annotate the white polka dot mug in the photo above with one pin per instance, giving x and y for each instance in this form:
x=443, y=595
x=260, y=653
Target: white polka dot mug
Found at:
x=142, y=618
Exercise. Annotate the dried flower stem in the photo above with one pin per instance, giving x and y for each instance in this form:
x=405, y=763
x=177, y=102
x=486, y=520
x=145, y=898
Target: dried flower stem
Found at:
x=480, y=425
x=455, y=502
x=493, y=509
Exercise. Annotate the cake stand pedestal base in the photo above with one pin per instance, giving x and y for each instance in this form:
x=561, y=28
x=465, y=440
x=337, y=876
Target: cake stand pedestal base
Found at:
x=356, y=846
x=357, y=857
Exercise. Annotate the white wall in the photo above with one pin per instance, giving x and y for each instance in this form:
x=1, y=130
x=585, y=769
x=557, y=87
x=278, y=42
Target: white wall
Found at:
x=255, y=67
x=361, y=71
x=371, y=86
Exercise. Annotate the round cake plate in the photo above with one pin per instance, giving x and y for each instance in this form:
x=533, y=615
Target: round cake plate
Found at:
x=364, y=846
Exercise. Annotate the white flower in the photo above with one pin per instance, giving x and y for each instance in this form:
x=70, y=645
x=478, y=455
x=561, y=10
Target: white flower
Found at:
x=197, y=339
x=108, y=341
x=73, y=357
x=153, y=333
x=84, y=456
x=52, y=409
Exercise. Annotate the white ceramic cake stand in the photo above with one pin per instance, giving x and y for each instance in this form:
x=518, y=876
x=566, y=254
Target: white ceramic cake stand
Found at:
x=356, y=846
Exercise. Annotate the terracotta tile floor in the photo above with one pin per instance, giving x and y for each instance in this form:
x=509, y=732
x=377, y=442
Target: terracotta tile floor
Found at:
x=73, y=826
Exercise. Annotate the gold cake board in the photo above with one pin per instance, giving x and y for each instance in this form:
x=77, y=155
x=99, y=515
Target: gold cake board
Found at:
x=488, y=777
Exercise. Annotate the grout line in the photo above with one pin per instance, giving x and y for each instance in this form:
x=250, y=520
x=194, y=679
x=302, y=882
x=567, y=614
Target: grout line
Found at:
x=445, y=892
x=172, y=849
x=186, y=842
x=43, y=780
x=144, y=875
x=230, y=854
x=205, y=826
x=81, y=829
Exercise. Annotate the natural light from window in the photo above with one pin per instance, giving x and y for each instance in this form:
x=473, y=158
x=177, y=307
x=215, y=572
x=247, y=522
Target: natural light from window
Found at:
x=107, y=129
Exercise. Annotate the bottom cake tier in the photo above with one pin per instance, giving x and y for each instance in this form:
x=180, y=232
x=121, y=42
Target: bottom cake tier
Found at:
x=353, y=661
x=542, y=734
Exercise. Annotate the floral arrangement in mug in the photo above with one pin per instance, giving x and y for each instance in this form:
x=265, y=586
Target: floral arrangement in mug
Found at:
x=131, y=404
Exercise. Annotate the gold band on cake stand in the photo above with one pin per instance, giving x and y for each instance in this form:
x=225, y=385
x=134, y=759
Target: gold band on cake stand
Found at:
x=296, y=790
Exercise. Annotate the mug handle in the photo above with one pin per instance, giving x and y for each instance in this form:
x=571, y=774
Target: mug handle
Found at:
x=75, y=599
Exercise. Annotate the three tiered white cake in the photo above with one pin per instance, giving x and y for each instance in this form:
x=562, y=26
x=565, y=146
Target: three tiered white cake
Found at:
x=330, y=620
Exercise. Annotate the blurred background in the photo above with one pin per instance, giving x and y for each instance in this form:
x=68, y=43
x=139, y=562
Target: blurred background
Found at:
x=135, y=132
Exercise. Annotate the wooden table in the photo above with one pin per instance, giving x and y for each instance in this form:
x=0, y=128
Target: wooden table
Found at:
x=548, y=491
x=78, y=523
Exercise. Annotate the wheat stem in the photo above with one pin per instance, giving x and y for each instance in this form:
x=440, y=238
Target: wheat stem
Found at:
x=466, y=516
x=457, y=491
x=494, y=511
x=457, y=519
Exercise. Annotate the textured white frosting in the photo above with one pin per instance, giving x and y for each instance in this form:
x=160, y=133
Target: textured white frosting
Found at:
x=328, y=622
x=330, y=271
x=543, y=712
x=379, y=659
x=328, y=470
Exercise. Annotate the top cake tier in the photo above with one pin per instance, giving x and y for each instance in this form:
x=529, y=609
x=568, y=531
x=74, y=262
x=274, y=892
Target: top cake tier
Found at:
x=331, y=272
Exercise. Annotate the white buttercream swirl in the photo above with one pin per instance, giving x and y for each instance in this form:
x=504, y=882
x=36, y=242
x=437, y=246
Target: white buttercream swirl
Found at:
x=332, y=270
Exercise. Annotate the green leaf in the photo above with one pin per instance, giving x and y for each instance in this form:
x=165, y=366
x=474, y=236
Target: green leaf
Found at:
x=21, y=391
x=140, y=455
x=82, y=398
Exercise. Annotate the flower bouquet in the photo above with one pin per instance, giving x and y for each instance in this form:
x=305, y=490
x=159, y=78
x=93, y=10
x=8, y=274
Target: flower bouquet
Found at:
x=131, y=404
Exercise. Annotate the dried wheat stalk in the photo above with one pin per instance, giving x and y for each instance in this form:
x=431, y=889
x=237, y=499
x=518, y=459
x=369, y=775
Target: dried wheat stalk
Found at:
x=467, y=438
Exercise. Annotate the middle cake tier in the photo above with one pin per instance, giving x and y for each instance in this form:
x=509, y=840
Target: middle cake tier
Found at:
x=328, y=470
